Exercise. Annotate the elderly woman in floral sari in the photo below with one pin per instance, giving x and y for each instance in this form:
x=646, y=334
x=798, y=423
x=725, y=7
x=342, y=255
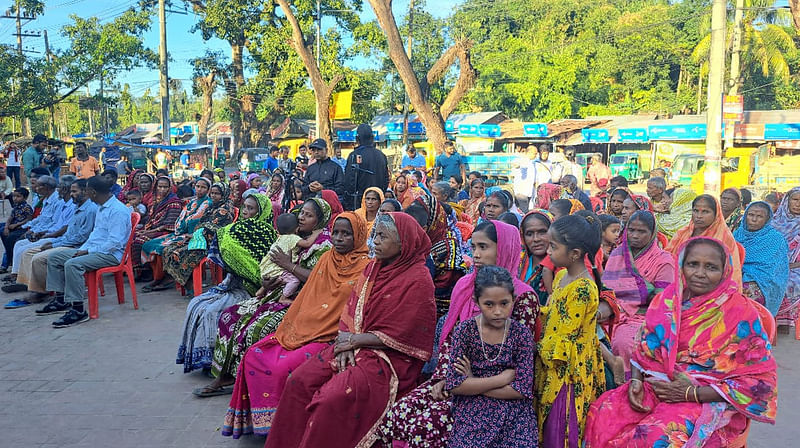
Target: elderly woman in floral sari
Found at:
x=337, y=398
x=472, y=206
x=181, y=259
x=309, y=326
x=637, y=270
x=251, y=320
x=679, y=214
x=787, y=222
x=190, y=217
x=702, y=366
x=161, y=218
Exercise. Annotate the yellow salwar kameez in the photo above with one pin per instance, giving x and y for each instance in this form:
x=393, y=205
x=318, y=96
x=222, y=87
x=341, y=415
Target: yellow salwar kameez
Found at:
x=568, y=361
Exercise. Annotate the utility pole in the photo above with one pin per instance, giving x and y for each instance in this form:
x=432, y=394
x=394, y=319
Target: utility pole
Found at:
x=735, y=73
x=319, y=51
x=89, y=111
x=52, y=122
x=406, y=106
x=25, y=121
x=716, y=75
x=164, y=74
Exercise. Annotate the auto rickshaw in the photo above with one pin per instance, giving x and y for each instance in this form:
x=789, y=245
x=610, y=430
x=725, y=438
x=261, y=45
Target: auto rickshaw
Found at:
x=626, y=164
x=252, y=159
x=137, y=157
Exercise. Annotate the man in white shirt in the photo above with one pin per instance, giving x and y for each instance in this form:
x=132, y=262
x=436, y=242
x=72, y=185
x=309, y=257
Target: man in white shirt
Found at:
x=572, y=167
x=539, y=171
x=13, y=155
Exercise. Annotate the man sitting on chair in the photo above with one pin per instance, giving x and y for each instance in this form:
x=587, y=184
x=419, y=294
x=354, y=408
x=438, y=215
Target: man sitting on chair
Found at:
x=104, y=248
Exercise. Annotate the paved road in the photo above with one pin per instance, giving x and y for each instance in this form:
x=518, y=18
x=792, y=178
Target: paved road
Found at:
x=113, y=382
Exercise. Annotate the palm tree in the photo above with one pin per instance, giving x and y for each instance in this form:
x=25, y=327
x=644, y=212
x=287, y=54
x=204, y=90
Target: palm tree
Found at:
x=767, y=41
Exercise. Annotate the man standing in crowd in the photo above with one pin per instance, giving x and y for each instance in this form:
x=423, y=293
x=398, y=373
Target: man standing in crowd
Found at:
x=104, y=248
x=413, y=161
x=570, y=185
x=337, y=157
x=450, y=162
x=271, y=164
x=597, y=172
x=572, y=167
x=324, y=173
x=540, y=170
x=123, y=166
x=83, y=166
x=13, y=157
x=366, y=167
x=6, y=186
x=285, y=163
x=33, y=267
x=32, y=157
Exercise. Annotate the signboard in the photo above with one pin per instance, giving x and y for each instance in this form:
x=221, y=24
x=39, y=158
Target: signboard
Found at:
x=341, y=105
x=346, y=136
x=414, y=127
x=677, y=132
x=595, y=135
x=489, y=130
x=632, y=135
x=748, y=131
x=535, y=130
x=470, y=130
x=449, y=126
x=782, y=131
x=733, y=107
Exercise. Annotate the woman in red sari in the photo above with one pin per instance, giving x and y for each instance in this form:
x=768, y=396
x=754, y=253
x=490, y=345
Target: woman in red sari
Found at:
x=338, y=398
x=702, y=367
x=161, y=218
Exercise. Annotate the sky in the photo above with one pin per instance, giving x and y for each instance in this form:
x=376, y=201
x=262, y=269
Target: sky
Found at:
x=182, y=44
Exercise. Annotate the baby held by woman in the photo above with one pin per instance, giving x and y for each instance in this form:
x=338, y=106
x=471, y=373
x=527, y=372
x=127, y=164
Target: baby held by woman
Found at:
x=290, y=243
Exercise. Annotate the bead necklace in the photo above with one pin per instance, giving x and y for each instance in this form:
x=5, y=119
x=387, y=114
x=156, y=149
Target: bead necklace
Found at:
x=483, y=346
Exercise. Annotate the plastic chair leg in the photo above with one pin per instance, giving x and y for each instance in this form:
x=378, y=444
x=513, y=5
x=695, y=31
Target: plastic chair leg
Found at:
x=91, y=283
x=119, y=282
x=129, y=273
x=218, y=274
x=797, y=329
x=102, y=287
x=197, y=282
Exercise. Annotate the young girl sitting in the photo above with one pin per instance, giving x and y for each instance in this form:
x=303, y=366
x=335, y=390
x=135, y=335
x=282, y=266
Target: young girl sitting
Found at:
x=612, y=228
x=290, y=243
x=491, y=378
x=570, y=373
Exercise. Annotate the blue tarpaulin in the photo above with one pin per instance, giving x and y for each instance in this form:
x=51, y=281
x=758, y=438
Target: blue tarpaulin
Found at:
x=190, y=148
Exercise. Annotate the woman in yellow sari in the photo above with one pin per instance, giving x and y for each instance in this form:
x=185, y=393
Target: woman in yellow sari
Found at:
x=370, y=203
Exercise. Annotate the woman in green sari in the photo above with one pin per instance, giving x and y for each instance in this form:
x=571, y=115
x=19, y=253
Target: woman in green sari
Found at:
x=248, y=322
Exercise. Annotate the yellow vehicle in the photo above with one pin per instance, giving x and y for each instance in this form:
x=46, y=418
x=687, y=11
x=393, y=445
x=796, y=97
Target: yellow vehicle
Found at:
x=776, y=169
x=738, y=165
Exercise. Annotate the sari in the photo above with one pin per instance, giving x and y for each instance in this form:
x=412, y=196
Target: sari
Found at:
x=243, y=241
x=735, y=218
x=446, y=256
x=180, y=259
x=164, y=215
x=547, y=193
x=408, y=196
x=318, y=401
x=277, y=196
x=332, y=199
x=237, y=194
x=130, y=185
x=680, y=212
x=416, y=418
x=187, y=222
x=251, y=320
x=472, y=207
x=766, y=262
x=362, y=212
x=788, y=224
x=715, y=340
x=310, y=324
x=147, y=196
x=635, y=279
x=530, y=272
x=718, y=230
x=569, y=367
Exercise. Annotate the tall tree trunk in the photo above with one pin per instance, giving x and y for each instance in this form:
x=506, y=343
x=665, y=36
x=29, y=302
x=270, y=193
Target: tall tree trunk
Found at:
x=433, y=121
x=322, y=89
x=794, y=6
x=207, y=84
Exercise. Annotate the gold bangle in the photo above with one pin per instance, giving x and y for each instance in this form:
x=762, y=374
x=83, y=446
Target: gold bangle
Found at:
x=293, y=268
x=686, y=394
x=696, y=400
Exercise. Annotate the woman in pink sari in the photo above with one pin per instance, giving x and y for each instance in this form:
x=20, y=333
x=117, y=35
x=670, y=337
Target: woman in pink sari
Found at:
x=309, y=326
x=703, y=364
x=636, y=270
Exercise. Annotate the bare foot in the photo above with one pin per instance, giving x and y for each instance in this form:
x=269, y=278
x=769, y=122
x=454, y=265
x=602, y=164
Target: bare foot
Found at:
x=618, y=369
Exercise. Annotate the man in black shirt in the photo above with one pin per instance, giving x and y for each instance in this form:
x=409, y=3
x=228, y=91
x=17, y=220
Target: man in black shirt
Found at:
x=324, y=174
x=366, y=167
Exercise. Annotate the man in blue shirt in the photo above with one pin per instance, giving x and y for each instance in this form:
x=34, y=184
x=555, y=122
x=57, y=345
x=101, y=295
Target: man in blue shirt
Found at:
x=32, y=157
x=33, y=267
x=184, y=160
x=104, y=248
x=450, y=162
x=271, y=164
x=337, y=157
x=412, y=161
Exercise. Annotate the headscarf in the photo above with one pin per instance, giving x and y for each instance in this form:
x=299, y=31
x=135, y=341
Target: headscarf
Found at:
x=680, y=212
x=168, y=209
x=472, y=205
x=225, y=193
x=733, y=220
x=326, y=212
x=788, y=224
x=547, y=193
x=462, y=304
x=373, y=306
x=445, y=247
x=408, y=196
x=277, y=196
x=766, y=259
x=314, y=315
x=636, y=277
x=250, y=179
x=717, y=340
x=208, y=183
x=332, y=199
x=238, y=196
x=129, y=185
x=527, y=270
x=717, y=230
x=244, y=243
x=147, y=196
x=362, y=212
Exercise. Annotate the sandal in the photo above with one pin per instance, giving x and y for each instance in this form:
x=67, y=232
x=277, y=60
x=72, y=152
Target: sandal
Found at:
x=163, y=286
x=206, y=391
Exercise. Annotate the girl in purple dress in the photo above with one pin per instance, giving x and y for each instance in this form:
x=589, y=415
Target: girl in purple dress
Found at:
x=491, y=377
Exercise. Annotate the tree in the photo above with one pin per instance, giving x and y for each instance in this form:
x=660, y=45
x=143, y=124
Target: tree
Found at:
x=206, y=71
x=415, y=87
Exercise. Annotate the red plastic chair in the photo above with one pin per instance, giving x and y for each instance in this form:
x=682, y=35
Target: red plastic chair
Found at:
x=216, y=271
x=94, y=279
